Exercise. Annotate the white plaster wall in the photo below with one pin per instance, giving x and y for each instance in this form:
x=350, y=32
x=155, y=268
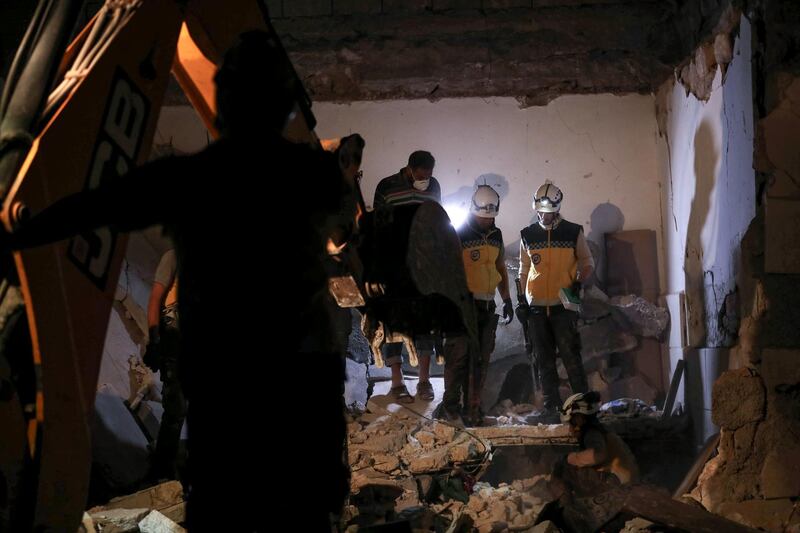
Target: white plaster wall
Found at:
x=706, y=162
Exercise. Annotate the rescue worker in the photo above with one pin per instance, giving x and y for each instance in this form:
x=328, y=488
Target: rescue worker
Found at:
x=413, y=184
x=212, y=206
x=162, y=354
x=603, y=464
x=483, y=254
x=553, y=255
x=601, y=449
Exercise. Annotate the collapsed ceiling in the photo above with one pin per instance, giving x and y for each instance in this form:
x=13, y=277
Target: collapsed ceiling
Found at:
x=532, y=50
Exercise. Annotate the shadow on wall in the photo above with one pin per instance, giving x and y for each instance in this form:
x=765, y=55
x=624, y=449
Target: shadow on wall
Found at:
x=706, y=158
x=605, y=218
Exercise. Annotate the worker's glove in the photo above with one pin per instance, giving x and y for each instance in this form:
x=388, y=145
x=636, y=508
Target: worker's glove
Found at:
x=152, y=354
x=523, y=311
x=508, y=310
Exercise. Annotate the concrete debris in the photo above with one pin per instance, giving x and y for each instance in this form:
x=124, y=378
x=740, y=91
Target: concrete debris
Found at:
x=158, y=497
x=738, y=398
x=525, y=435
x=463, y=450
x=426, y=439
x=504, y=507
x=604, y=337
x=431, y=461
x=143, y=383
x=119, y=520
x=444, y=432
x=386, y=463
x=156, y=522
x=645, y=319
x=87, y=524
x=637, y=525
x=394, y=447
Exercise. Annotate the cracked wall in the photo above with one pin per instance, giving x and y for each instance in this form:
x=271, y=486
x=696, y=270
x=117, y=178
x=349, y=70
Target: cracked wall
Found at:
x=600, y=149
x=708, y=201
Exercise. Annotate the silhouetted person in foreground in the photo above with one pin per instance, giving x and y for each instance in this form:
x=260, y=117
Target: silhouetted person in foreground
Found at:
x=249, y=217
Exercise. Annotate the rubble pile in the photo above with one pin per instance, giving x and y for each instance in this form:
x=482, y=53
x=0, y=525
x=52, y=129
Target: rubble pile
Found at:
x=513, y=507
x=755, y=477
x=405, y=466
x=610, y=329
x=393, y=448
x=158, y=509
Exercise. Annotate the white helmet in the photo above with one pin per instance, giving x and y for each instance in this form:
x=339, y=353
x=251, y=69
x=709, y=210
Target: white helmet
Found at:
x=485, y=202
x=585, y=403
x=547, y=199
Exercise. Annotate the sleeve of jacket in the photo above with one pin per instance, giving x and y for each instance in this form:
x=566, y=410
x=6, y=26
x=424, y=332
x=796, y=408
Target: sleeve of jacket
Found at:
x=143, y=197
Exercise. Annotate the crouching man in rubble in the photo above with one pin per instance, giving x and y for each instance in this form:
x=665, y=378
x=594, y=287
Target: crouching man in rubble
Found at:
x=484, y=264
x=604, y=462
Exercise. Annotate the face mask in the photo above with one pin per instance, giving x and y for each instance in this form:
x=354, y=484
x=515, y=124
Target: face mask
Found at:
x=421, y=185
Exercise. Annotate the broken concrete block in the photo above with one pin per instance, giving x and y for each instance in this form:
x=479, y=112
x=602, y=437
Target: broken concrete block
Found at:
x=444, y=432
x=476, y=504
x=426, y=439
x=645, y=319
x=780, y=475
x=384, y=443
x=370, y=476
x=87, y=524
x=176, y=513
x=637, y=525
x=771, y=515
x=119, y=520
x=429, y=462
x=386, y=463
x=498, y=511
x=462, y=451
x=737, y=398
x=158, y=497
x=156, y=522
x=604, y=337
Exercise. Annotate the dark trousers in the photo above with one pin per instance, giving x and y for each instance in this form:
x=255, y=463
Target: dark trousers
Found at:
x=551, y=332
x=457, y=359
x=165, y=458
